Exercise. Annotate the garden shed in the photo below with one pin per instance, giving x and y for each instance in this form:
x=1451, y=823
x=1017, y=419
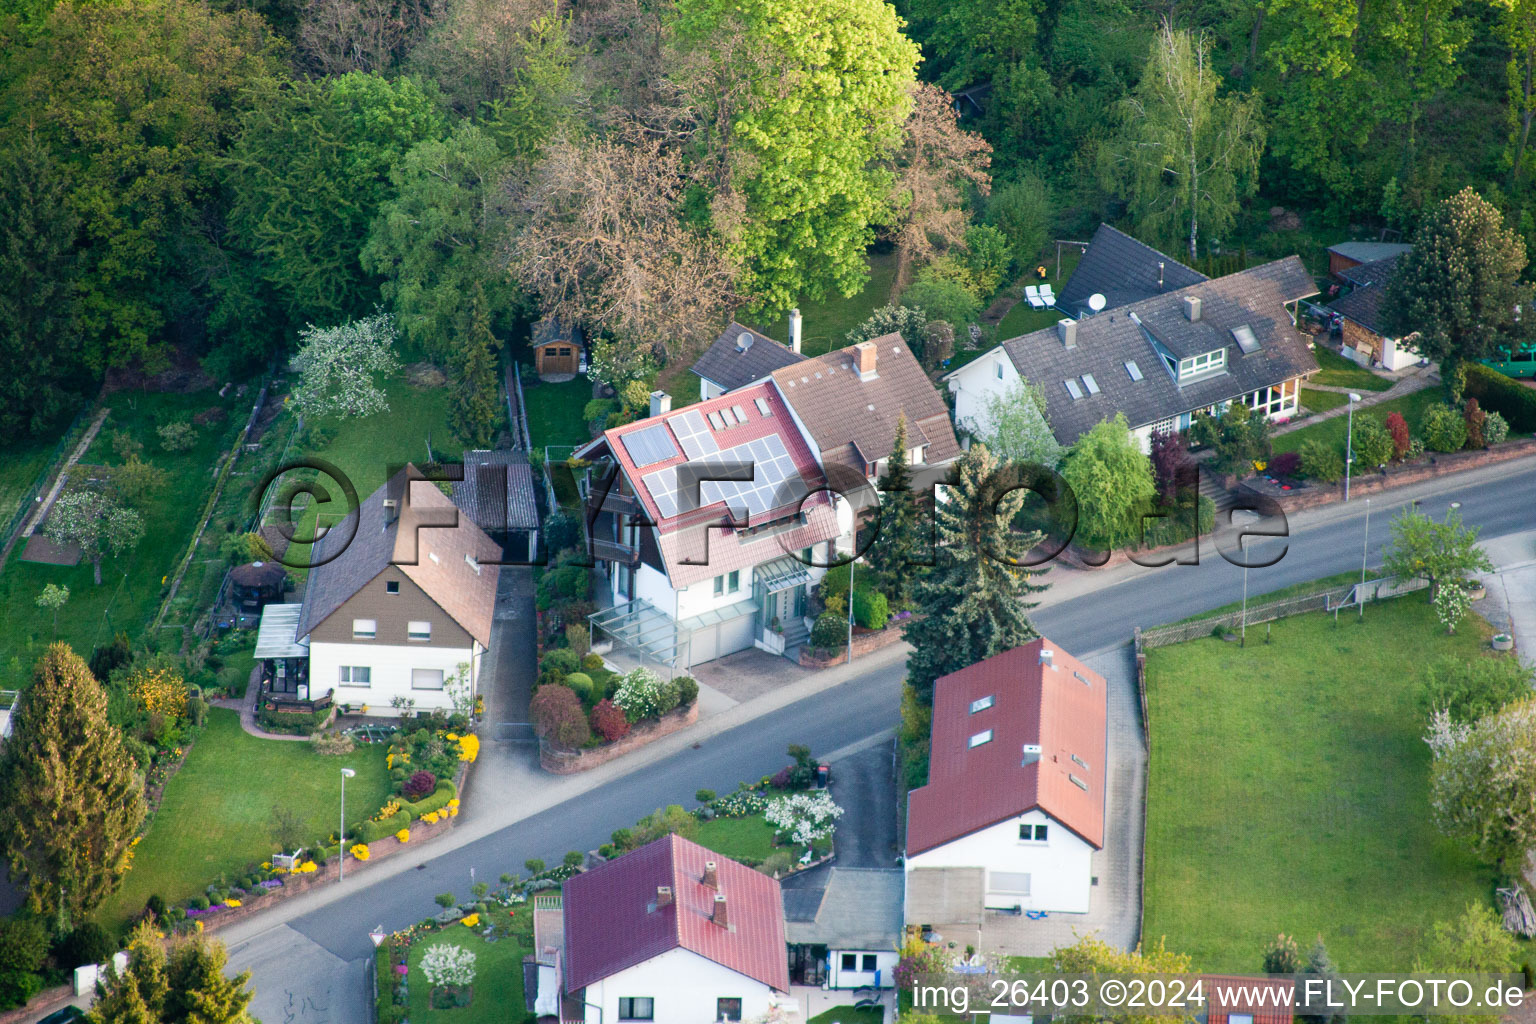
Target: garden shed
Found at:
x=557, y=348
x=254, y=586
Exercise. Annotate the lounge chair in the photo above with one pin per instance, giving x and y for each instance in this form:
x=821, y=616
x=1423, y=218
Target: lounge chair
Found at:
x=1047, y=297
x=1032, y=293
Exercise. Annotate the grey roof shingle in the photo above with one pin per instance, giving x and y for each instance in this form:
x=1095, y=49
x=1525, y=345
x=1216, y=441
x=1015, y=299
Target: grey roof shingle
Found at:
x=492, y=507
x=1369, y=252
x=726, y=365
x=860, y=908
x=1254, y=297
x=1122, y=270
x=1363, y=303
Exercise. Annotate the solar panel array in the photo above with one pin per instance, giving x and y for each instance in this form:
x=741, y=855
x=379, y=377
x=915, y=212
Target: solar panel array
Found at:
x=775, y=482
x=693, y=434
x=650, y=445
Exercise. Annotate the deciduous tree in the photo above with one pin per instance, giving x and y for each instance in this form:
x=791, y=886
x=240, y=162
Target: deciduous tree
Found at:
x=1473, y=943
x=1092, y=955
x=339, y=367
x=1012, y=423
x=1444, y=552
x=70, y=797
x=52, y=598
x=1112, y=479
x=1482, y=779
x=975, y=598
x=95, y=521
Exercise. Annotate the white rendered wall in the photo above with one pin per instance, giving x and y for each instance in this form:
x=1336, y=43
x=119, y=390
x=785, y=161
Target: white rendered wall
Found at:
x=684, y=986
x=1060, y=869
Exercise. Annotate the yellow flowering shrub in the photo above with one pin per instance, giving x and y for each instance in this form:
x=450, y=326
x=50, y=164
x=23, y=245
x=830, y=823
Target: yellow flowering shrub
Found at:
x=451, y=737
x=451, y=803
x=360, y=851
x=404, y=835
x=160, y=690
x=307, y=868
x=232, y=903
x=431, y=817
x=471, y=920
x=389, y=810
x=469, y=747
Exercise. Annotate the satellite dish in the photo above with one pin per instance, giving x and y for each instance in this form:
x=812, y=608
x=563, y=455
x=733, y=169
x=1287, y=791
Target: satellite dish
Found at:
x=1097, y=302
x=743, y=341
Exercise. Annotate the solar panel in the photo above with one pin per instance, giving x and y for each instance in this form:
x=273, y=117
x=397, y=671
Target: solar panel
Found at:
x=692, y=434
x=775, y=481
x=650, y=445
x=1132, y=369
x=1073, y=390
x=741, y=414
x=762, y=405
x=1091, y=384
x=1245, y=339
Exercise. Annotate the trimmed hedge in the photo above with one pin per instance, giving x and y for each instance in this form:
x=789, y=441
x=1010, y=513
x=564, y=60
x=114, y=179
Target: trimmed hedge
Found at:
x=1503, y=395
x=297, y=723
x=373, y=831
x=444, y=792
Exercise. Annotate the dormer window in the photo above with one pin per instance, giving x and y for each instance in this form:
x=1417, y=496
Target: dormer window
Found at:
x=1206, y=362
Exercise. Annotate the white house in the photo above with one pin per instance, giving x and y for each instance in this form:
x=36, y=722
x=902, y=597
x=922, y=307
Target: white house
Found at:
x=397, y=607
x=1366, y=338
x=846, y=934
x=1013, y=812
x=1157, y=345
x=671, y=934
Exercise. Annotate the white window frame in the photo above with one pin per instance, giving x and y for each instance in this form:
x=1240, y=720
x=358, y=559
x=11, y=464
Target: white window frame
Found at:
x=982, y=703
x=1038, y=833
x=392, y=587
x=415, y=634
x=365, y=629
x=649, y=1000
x=1205, y=362
x=980, y=739
x=347, y=675
x=442, y=678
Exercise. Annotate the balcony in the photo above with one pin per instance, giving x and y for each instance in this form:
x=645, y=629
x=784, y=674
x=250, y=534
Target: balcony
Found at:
x=615, y=551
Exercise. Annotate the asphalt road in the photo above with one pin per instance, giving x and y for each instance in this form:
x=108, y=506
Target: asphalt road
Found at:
x=1321, y=544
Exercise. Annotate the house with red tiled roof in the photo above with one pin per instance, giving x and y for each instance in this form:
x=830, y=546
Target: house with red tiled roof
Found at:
x=1013, y=811
x=671, y=933
x=711, y=523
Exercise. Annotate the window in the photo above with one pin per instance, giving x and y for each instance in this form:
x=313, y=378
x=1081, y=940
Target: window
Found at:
x=1073, y=390
x=1014, y=883
x=364, y=629
x=1091, y=384
x=762, y=405
x=426, y=679
x=1204, y=363
x=563, y=351
x=1239, y=1018
x=637, y=1008
x=1032, y=833
x=850, y=961
x=727, y=1009
x=999, y=368
x=981, y=703
x=392, y=587
x=869, y=963
x=1079, y=783
x=1081, y=678
x=1080, y=762
x=728, y=584
x=981, y=737
x=1132, y=369
x=354, y=675
x=418, y=631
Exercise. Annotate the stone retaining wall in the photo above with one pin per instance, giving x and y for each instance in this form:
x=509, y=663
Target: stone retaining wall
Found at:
x=863, y=643
x=566, y=762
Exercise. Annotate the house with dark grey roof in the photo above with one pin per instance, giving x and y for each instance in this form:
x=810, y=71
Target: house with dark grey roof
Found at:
x=1352, y=254
x=742, y=356
x=1159, y=360
x=845, y=934
x=1366, y=338
x=399, y=604
x=1123, y=271
x=499, y=495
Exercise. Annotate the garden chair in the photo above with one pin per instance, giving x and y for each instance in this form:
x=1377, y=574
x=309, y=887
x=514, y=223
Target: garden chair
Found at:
x=1047, y=297
x=1032, y=293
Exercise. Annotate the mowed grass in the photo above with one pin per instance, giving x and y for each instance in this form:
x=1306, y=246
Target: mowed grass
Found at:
x=850, y=1015
x=825, y=324
x=216, y=815
x=1336, y=371
x=554, y=410
x=1314, y=400
x=24, y=462
x=737, y=838
x=1288, y=792
x=1333, y=431
x=134, y=582
x=498, y=988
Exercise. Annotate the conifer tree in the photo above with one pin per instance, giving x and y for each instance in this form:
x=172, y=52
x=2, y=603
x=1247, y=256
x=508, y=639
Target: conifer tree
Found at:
x=897, y=545
x=70, y=795
x=476, y=399
x=187, y=986
x=973, y=601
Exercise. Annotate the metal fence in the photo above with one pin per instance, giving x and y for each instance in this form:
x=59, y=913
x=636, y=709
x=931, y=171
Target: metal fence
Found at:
x=28, y=498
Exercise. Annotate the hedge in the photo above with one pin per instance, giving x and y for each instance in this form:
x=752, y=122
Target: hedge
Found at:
x=300, y=723
x=1503, y=395
x=444, y=792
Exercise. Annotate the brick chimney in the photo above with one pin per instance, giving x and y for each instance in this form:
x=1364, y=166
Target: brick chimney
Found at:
x=721, y=918
x=864, y=355
x=711, y=875
x=661, y=403
x=663, y=896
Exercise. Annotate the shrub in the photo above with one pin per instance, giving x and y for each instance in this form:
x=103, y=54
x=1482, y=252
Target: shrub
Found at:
x=329, y=743
x=558, y=586
x=667, y=697
x=1475, y=418
x=639, y=695
x=830, y=631
x=561, y=531
x=574, y=858
x=776, y=863
x=558, y=664
x=781, y=778
x=1470, y=690
x=608, y=721
x=1373, y=445
x=1286, y=464
x=592, y=663
x=1321, y=462
x=870, y=609
x=671, y=820
x=1444, y=429
x=1495, y=429
x=445, y=899
x=559, y=718
x=579, y=638
x=179, y=436
x=23, y=945
x=18, y=987
x=580, y=684
x=704, y=796
x=449, y=965
x=90, y=944
x=623, y=838
x=1401, y=439
x=1504, y=395
x=534, y=866
x=418, y=785
x=687, y=690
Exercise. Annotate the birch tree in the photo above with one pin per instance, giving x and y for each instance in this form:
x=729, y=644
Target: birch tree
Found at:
x=1185, y=158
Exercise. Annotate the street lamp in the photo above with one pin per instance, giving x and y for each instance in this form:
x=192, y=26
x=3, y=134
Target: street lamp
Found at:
x=1349, y=443
x=1243, y=630
x=850, y=596
x=1364, y=547
x=341, y=833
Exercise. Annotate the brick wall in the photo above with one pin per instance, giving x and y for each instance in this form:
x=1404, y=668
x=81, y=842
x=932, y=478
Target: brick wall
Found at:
x=863, y=643
x=561, y=762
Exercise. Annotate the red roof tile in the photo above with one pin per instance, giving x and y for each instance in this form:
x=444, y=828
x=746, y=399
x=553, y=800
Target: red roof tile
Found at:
x=612, y=921
x=1062, y=708
x=1273, y=1008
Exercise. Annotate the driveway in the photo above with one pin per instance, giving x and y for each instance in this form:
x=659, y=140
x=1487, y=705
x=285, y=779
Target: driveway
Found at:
x=864, y=786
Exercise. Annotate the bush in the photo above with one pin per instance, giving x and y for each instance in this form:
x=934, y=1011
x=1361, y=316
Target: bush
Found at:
x=23, y=945
x=418, y=785
x=1495, y=429
x=671, y=820
x=870, y=609
x=1286, y=464
x=639, y=695
x=1373, y=445
x=179, y=436
x=332, y=744
x=592, y=663
x=1470, y=690
x=942, y=299
x=830, y=632
x=558, y=664
x=608, y=721
x=1503, y=395
x=1475, y=419
x=687, y=690
x=1444, y=429
x=17, y=988
x=1321, y=462
x=90, y=944
x=579, y=638
x=624, y=839
x=1401, y=439
x=574, y=858
x=580, y=684
x=559, y=718
x=445, y=899
x=704, y=796
x=534, y=866
x=776, y=863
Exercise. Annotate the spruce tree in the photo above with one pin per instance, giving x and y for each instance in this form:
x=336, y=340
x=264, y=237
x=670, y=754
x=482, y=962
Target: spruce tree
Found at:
x=199, y=991
x=1320, y=965
x=70, y=796
x=890, y=557
x=476, y=398
x=972, y=602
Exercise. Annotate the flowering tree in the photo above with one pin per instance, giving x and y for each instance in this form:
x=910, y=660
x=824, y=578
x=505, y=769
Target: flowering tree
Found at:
x=1451, y=604
x=639, y=695
x=449, y=966
x=96, y=522
x=1438, y=552
x=338, y=366
x=1482, y=780
x=806, y=817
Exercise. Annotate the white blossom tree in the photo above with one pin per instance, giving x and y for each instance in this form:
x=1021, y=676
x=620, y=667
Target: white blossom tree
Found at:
x=1483, y=781
x=1451, y=604
x=339, y=367
x=449, y=966
x=805, y=817
x=95, y=521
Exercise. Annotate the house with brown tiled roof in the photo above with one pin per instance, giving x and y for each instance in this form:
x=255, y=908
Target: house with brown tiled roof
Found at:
x=849, y=402
x=1013, y=811
x=400, y=600
x=671, y=933
x=711, y=523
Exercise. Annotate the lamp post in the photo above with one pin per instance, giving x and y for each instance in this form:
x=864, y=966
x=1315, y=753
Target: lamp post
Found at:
x=1243, y=629
x=341, y=832
x=1349, y=443
x=850, y=597
x=1365, y=544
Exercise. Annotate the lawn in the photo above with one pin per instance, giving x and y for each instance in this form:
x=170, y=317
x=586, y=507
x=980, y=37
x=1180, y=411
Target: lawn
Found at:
x=825, y=324
x=850, y=1015
x=554, y=410
x=749, y=839
x=1288, y=792
x=1332, y=431
x=498, y=988
x=1336, y=371
x=24, y=462
x=216, y=814
x=1314, y=400
x=133, y=583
